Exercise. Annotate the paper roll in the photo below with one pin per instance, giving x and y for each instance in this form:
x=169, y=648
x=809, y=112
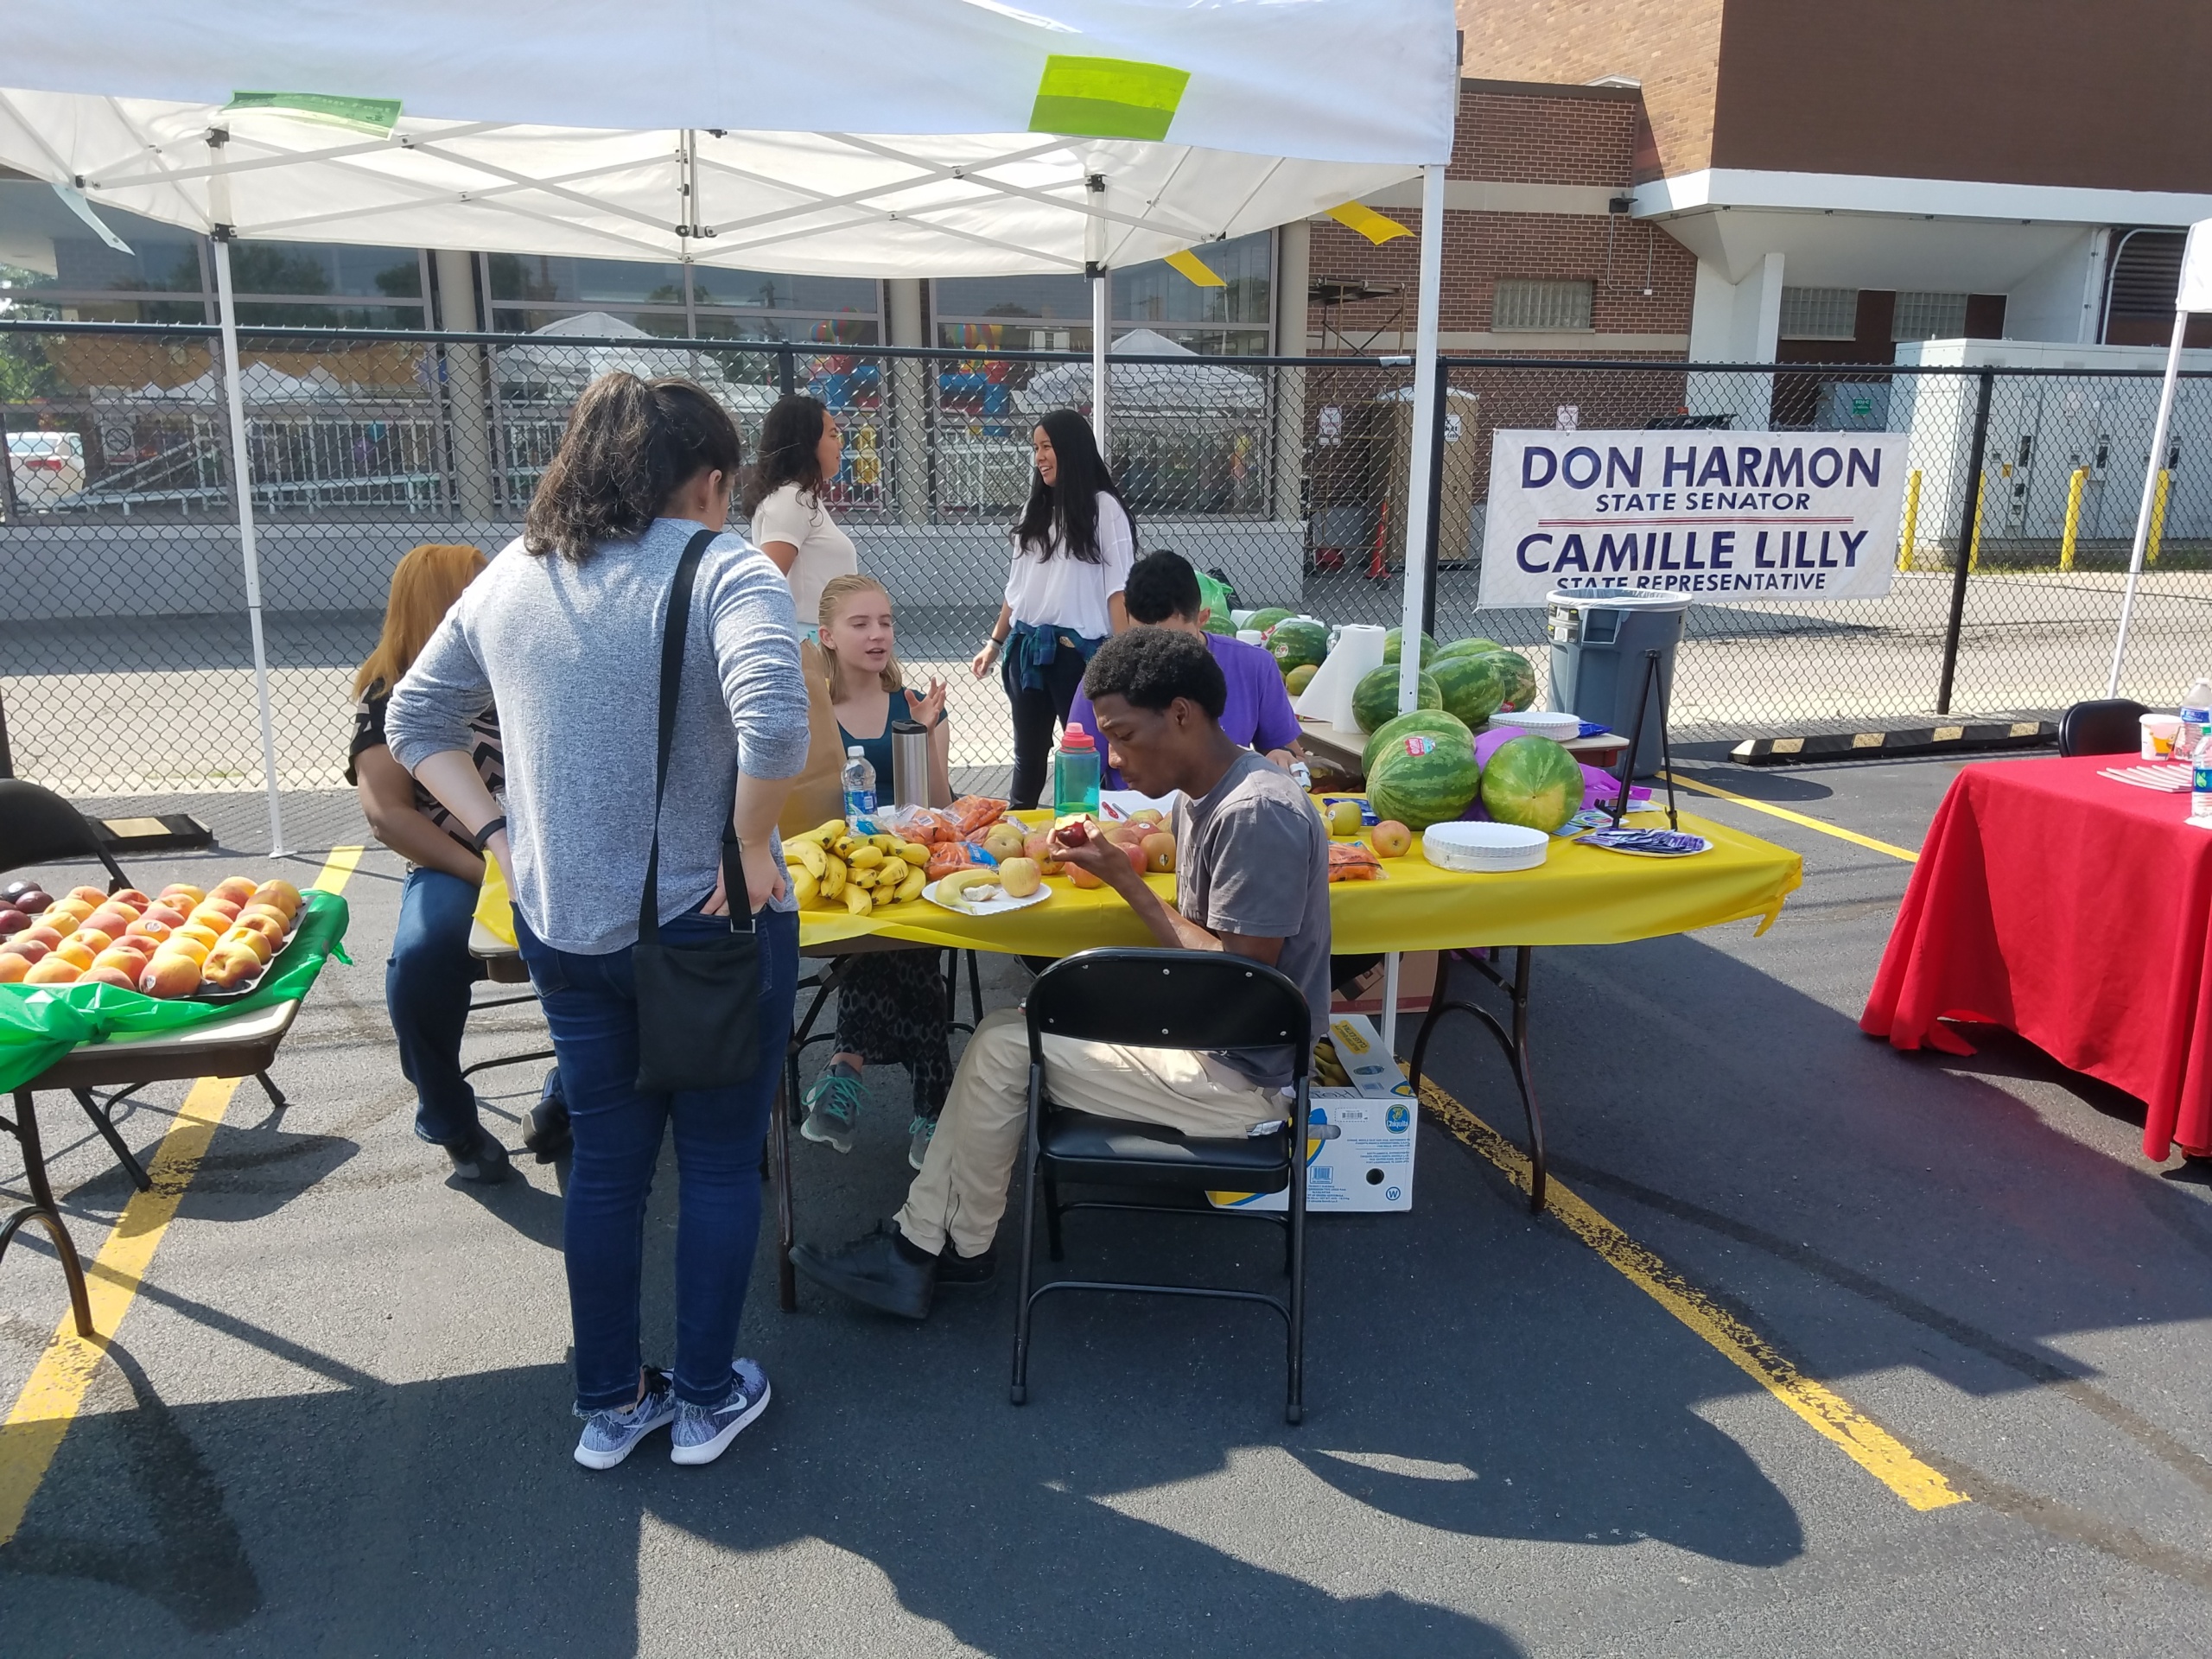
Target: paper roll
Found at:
x=1328, y=695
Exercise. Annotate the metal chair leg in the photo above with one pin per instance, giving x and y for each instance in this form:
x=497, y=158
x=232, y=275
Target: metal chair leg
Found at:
x=1294, y=1408
x=105, y=1125
x=1053, y=1241
x=975, y=989
x=48, y=1212
x=1019, y=1392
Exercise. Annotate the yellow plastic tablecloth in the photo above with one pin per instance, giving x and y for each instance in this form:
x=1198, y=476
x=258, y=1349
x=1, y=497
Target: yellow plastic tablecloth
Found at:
x=1579, y=895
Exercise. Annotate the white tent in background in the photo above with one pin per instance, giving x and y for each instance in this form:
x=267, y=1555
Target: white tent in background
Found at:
x=561, y=371
x=954, y=137
x=1207, y=383
x=258, y=383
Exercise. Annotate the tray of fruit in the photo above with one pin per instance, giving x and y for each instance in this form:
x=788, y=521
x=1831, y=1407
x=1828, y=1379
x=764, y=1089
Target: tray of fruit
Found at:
x=985, y=890
x=212, y=945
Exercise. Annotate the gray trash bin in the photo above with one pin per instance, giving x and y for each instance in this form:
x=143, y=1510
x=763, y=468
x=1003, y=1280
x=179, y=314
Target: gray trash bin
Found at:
x=1598, y=637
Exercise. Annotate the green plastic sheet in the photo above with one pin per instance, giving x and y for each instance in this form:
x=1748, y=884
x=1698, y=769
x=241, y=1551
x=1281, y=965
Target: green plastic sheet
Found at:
x=39, y=1024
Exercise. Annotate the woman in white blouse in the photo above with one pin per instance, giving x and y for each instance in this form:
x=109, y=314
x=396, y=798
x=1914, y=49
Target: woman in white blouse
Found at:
x=800, y=452
x=1071, y=556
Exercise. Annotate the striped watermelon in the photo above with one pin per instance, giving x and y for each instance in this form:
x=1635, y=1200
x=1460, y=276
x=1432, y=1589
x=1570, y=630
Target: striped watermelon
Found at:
x=1533, y=782
x=1394, y=640
x=1475, y=687
x=1420, y=779
x=1428, y=722
x=1375, y=699
x=1294, y=642
x=1265, y=619
x=1465, y=648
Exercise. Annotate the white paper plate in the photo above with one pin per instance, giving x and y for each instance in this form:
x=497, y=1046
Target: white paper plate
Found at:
x=998, y=906
x=1539, y=722
x=1479, y=848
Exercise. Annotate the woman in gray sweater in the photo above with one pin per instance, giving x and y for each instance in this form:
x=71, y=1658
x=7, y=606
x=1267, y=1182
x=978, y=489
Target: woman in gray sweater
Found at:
x=563, y=633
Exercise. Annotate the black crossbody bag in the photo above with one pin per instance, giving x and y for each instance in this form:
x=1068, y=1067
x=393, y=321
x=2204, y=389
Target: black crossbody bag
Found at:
x=698, y=1005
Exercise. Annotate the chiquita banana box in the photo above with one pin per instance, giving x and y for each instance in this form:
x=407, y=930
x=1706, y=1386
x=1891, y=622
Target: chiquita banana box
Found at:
x=1359, y=1144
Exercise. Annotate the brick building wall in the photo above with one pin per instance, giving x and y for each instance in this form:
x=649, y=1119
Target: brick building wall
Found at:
x=1566, y=149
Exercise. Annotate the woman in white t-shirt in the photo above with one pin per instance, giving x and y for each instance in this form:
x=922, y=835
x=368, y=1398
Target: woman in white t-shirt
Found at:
x=800, y=452
x=1071, y=556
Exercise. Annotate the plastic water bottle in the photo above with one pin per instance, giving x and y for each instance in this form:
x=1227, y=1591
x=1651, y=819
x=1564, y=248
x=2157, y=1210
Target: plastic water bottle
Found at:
x=2195, y=718
x=860, y=792
x=1075, y=774
x=2200, y=780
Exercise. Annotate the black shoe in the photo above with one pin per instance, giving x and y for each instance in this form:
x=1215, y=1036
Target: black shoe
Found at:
x=881, y=1270
x=954, y=1269
x=545, y=1126
x=485, y=1161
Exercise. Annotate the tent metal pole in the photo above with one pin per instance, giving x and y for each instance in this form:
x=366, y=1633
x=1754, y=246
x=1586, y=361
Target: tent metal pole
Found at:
x=1100, y=324
x=242, y=469
x=1421, y=471
x=2152, y=463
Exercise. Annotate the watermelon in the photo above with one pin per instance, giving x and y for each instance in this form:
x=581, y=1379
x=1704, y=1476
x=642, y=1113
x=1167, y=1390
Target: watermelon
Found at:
x=1421, y=780
x=1375, y=699
x=1265, y=619
x=1428, y=722
x=1296, y=642
x=1520, y=691
x=1466, y=648
x=1392, y=640
x=1530, y=781
x=1300, y=677
x=1474, y=687
x=1215, y=624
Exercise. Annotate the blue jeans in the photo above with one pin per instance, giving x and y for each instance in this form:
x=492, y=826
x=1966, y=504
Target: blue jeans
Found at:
x=426, y=988
x=591, y=1005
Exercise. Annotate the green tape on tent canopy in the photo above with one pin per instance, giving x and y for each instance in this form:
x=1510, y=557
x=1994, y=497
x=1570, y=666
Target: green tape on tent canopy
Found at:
x=39, y=1024
x=376, y=115
x=1107, y=98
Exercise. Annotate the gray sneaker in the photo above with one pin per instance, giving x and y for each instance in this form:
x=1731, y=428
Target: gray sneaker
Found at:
x=703, y=1433
x=831, y=1105
x=919, y=1134
x=611, y=1435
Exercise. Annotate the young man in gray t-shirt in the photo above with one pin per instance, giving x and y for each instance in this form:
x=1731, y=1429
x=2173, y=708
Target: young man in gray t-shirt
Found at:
x=1252, y=862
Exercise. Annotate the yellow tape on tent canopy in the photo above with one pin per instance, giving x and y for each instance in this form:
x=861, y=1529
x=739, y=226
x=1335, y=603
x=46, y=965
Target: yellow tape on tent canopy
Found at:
x=1375, y=227
x=1196, y=268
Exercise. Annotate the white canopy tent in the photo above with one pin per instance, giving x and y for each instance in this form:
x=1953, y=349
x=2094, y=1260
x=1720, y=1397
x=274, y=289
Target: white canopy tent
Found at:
x=1193, y=383
x=2195, y=294
x=930, y=137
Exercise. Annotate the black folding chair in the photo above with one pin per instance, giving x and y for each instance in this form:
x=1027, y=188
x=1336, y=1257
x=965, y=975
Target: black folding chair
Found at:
x=2104, y=726
x=1165, y=999
x=38, y=827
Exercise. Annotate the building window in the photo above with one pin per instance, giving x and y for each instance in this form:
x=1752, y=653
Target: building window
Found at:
x=1929, y=316
x=54, y=265
x=1528, y=306
x=528, y=291
x=1052, y=313
x=1819, y=314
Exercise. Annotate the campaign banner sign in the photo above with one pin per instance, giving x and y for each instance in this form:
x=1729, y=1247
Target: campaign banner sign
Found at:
x=1718, y=515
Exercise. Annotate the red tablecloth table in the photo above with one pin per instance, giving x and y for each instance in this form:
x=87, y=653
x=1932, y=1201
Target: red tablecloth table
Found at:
x=2076, y=910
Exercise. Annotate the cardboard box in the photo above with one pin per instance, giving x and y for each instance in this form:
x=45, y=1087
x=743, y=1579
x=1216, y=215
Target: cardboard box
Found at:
x=1359, y=1150
x=1416, y=985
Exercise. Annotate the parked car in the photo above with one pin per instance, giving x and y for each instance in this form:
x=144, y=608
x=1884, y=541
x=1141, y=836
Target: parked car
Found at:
x=48, y=469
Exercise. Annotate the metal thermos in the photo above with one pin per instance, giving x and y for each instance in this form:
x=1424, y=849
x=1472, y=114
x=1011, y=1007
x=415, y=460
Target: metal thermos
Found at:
x=909, y=764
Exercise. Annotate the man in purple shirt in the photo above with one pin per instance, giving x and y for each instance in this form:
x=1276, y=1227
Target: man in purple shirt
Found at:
x=1163, y=593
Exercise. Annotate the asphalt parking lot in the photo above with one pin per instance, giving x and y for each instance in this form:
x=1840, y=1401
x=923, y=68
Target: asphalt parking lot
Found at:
x=334, y=1420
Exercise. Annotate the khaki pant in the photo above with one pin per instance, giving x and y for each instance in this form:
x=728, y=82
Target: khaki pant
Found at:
x=961, y=1192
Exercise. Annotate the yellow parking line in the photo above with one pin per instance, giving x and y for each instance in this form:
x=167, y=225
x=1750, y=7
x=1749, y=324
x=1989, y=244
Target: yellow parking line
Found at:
x=51, y=1398
x=1851, y=835
x=1864, y=1440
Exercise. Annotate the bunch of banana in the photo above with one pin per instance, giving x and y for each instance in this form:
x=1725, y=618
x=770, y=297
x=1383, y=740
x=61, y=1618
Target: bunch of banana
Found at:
x=1329, y=1070
x=831, y=864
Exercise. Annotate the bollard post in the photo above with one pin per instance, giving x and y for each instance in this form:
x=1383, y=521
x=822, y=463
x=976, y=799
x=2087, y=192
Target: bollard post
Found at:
x=2158, y=516
x=2074, y=488
x=1968, y=541
x=1907, y=542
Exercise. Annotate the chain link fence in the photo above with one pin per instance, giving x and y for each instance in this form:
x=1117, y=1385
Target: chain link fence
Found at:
x=127, y=667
